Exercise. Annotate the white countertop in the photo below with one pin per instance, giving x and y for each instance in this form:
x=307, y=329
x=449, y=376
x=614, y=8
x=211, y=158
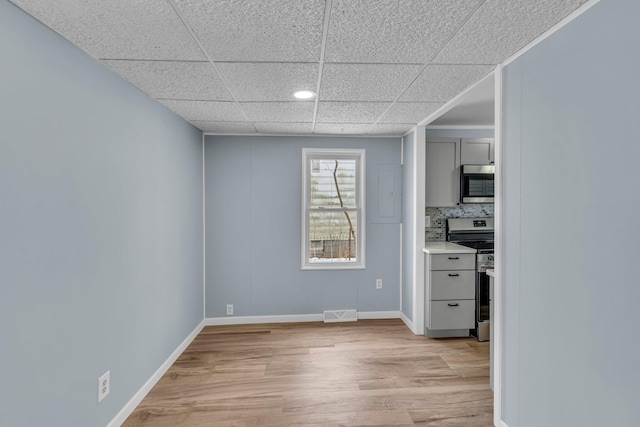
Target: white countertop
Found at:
x=440, y=247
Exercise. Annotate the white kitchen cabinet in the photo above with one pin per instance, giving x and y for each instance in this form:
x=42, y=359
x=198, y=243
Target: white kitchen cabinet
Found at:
x=442, y=172
x=477, y=151
x=449, y=294
x=443, y=159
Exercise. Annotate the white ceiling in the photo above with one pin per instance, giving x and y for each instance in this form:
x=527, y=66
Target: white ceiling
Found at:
x=476, y=107
x=231, y=66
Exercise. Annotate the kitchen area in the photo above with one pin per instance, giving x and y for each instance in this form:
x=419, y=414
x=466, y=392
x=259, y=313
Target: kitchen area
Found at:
x=459, y=223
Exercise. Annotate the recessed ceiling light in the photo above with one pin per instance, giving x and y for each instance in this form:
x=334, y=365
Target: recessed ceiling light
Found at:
x=304, y=94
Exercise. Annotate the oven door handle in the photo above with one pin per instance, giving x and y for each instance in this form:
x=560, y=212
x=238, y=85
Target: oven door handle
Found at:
x=484, y=267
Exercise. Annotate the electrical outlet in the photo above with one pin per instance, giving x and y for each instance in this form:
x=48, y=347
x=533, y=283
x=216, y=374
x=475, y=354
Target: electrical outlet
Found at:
x=229, y=309
x=378, y=283
x=104, y=385
x=427, y=221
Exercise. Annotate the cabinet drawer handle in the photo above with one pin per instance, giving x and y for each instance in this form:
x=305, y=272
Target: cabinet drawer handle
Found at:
x=454, y=257
x=453, y=305
x=453, y=275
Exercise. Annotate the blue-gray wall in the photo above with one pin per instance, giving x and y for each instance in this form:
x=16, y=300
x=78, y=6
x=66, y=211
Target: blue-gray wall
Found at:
x=571, y=212
x=100, y=231
x=408, y=219
x=253, y=203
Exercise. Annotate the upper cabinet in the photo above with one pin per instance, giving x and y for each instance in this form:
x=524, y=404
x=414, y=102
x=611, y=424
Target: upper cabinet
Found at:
x=477, y=151
x=442, y=172
x=443, y=159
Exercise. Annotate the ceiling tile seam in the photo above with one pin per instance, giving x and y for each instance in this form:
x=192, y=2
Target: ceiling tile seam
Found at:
x=444, y=44
x=206, y=54
x=221, y=121
x=190, y=61
x=361, y=101
x=470, y=64
x=206, y=61
x=198, y=61
x=342, y=101
x=374, y=63
x=454, y=33
x=301, y=102
x=323, y=47
x=267, y=62
x=362, y=124
x=197, y=100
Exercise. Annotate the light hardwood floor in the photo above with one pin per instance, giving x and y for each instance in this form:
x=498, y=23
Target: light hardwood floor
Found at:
x=370, y=372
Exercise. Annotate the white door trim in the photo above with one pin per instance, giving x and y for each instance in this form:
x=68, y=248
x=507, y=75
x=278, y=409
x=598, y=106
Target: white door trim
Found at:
x=419, y=156
x=497, y=295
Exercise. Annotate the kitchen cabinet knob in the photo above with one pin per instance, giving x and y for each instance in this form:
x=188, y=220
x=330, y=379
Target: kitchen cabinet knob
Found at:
x=453, y=305
x=453, y=275
x=454, y=257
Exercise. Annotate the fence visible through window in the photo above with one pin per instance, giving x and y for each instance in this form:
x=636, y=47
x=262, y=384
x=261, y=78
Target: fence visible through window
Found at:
x=333, y=208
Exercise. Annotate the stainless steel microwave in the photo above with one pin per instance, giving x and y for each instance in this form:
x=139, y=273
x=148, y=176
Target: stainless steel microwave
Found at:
x=477, y=183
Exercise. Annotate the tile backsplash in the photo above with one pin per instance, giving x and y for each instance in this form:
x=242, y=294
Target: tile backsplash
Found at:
x=440, y=215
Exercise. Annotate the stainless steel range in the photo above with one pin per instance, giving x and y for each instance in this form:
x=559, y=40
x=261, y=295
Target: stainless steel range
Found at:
x=476, y=233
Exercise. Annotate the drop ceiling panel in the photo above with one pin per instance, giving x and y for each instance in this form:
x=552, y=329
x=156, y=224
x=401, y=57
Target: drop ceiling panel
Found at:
x=378, y=64
x=257, y=30
x=279, y=112
x=365, y=82
x=350, y=112
x=502, y=27
x=341, y=128
x=173, y=80
x=409, y=112
x=284, y=128
x=394, y=129
x=118, y=29
x=392, y=31
x=440, y=83
x=224, y=127
x=213, y=111
x=267, y=81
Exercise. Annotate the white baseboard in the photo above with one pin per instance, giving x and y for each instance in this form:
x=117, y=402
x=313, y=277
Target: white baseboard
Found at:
x=293, y=318
x=378, y=315
x=246, y=320
x=146, y=388
x=408, y=322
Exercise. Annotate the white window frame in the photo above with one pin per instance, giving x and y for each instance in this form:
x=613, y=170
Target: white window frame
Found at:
x=309, y=154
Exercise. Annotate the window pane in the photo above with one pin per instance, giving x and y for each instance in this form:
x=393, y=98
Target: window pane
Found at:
x=333, y=183
x=332, y=235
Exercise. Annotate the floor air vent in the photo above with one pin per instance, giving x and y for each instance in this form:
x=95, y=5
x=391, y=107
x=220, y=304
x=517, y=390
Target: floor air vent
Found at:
x=340, y=316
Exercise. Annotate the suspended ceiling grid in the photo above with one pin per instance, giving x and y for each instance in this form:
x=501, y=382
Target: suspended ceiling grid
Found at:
x=231, y=66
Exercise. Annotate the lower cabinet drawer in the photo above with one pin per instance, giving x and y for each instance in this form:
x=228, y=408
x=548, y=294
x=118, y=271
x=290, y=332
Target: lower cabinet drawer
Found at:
x=452, y=284
x=452, y=314
x=453, y=262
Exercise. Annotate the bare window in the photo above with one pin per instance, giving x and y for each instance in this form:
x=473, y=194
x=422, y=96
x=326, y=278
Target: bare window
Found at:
x=333, y=209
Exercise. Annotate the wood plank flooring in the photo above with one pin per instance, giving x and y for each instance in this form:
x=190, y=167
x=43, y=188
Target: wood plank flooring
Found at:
x=365, y=373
